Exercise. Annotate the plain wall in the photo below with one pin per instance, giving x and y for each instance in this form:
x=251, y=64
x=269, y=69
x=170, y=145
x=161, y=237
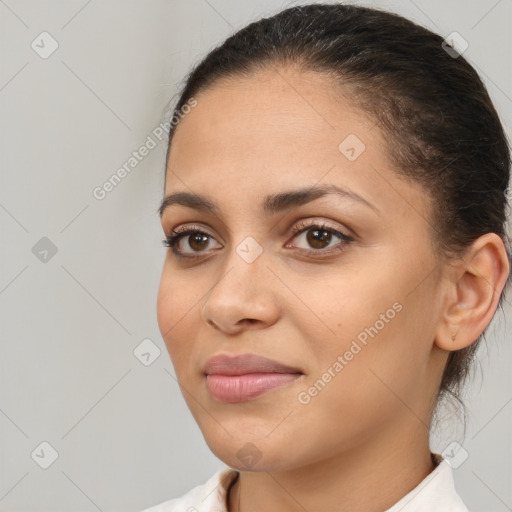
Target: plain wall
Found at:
x=70, y=321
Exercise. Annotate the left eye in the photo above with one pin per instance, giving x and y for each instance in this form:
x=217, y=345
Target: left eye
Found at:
x=320, y=236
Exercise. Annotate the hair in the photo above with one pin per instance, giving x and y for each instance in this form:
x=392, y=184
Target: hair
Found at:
x=441, y=126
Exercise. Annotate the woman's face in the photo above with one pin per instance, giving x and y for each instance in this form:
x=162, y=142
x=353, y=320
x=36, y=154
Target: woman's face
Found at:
x=355, y=316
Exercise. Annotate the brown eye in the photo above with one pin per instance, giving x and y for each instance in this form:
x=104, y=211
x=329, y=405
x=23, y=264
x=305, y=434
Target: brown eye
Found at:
x=196, y=240
x=317, y=238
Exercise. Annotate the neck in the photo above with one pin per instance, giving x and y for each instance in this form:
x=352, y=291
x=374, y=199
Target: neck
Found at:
x=367, y=479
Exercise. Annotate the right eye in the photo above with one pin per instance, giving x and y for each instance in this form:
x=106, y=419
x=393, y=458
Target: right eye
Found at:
x=196, y=240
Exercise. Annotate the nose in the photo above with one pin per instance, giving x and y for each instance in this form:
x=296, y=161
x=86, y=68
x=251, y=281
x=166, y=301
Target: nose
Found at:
x=242, y=297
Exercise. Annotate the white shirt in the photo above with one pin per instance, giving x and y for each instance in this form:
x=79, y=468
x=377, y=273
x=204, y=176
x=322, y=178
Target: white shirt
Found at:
x=435, y=493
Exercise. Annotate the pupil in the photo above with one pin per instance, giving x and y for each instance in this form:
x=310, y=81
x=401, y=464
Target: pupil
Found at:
x=199, y=241
x=319, y=237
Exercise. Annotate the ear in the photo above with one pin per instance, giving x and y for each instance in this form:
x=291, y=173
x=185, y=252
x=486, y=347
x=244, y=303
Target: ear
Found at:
x=474, y=286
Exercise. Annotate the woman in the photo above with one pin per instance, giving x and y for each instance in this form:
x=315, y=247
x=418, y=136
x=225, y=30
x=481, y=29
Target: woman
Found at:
x=334, y=208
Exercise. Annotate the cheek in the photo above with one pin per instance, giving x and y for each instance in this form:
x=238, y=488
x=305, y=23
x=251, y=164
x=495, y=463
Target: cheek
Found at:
x=178, y=299
x=175, y=311
x=347, y=306
x=364, y=379
x=166, y=312
x=373, y=322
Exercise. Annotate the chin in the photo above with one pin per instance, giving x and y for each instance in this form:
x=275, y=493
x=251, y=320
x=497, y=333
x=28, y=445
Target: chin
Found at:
x=251, y=453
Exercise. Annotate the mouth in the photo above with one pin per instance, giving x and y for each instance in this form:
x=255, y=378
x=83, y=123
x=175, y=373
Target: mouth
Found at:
x=245, y=377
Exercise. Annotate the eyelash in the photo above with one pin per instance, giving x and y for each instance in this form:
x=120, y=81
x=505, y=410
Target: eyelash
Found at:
x=173, y=240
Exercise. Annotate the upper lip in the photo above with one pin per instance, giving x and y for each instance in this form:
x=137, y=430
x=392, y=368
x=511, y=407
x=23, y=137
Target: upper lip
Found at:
x=244, y=363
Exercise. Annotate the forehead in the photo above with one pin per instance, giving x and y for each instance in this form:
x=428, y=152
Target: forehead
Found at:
x=277, y=107
x=277, y=129
x=268, y=117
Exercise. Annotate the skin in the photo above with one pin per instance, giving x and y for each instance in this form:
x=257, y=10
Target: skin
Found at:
x=361, y=443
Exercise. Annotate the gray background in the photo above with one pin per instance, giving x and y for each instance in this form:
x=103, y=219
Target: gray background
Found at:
x=70, y=323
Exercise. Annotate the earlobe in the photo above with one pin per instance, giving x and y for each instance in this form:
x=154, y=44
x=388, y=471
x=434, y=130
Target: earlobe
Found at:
x=475, y=285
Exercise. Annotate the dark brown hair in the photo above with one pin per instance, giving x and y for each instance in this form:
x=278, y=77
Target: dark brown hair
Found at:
x=442, y=127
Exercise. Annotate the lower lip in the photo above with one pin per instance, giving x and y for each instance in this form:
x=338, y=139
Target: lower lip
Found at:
x=240, y=388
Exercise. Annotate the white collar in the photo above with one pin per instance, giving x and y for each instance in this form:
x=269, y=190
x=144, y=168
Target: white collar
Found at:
x=435, y=492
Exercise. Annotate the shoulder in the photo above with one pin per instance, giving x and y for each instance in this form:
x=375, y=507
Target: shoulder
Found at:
x=210, y=496
x=436, y=492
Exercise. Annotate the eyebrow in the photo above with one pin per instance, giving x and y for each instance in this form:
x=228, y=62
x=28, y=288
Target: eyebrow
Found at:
x=274, y=203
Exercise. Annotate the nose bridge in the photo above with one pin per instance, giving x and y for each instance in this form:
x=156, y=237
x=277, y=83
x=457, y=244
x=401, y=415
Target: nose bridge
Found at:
x=240, y=292
x=244, y=266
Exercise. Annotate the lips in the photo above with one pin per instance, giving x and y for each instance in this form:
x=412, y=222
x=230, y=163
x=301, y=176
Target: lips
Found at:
x=245, y=377
x=243, y=364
